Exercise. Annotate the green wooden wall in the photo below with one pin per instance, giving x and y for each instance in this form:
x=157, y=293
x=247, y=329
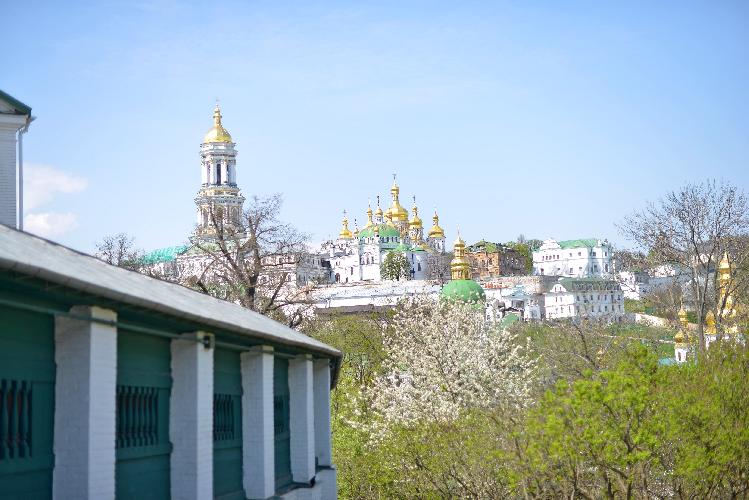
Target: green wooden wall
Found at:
x=227, y=425
x=281, y=423
x=27, y=404
x=144, y=384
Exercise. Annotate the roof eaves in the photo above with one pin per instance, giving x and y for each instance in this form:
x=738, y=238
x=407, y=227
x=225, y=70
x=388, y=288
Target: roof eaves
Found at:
x=21, y=108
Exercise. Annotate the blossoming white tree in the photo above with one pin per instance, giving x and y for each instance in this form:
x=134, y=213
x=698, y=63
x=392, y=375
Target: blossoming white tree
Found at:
x=443, y=358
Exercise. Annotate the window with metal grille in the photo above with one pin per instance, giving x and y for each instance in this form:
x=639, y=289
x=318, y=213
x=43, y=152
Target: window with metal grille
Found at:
x=223, y=417
x=15, y=419
x=137, y=416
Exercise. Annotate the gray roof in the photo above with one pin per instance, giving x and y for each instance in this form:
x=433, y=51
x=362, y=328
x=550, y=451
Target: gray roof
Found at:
x=37, y=257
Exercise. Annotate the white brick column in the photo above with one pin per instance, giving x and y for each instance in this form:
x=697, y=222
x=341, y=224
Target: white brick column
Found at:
x=85, y=392
x=322, y=412
x=301, y=419
x=191, y=417
x=258, y=445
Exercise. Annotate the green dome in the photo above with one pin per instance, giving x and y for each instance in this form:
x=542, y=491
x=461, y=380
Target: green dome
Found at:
x=465, y=290
x=402, y=247
x=385, y=230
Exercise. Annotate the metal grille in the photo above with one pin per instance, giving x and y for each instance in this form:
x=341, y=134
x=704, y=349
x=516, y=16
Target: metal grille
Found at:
x=137, y=416
x=15, y=419
x=223, y=417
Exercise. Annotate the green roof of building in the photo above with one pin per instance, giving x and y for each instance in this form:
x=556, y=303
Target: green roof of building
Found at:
x=464, y=290
x=384, y=230
x=509, y=319
x=488, y=246
x=581, y=243
x=21, y=108
x=167, y=254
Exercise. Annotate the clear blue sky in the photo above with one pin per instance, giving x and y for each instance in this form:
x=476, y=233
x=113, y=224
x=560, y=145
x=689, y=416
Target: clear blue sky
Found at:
x=542, y=118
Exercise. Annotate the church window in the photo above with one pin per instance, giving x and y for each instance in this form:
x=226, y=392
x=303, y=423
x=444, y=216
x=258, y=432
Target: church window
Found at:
x=418, y=266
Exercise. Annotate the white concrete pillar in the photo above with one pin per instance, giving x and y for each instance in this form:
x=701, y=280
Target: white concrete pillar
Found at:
x=322, y=412
x=85, y=402
x=258, y=445
x=301, y=419
x=191, y=417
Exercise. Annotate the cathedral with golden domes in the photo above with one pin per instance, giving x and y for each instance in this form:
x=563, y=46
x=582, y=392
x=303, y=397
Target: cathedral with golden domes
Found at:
x=356, y=256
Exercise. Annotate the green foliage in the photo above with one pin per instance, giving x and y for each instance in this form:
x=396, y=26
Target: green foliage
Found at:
x=609, y=422
x=395, y=266
x=526, y=251
x=635, y=306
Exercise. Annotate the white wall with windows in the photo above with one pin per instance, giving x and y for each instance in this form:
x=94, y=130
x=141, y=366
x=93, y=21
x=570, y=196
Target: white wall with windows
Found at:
x=573, y=258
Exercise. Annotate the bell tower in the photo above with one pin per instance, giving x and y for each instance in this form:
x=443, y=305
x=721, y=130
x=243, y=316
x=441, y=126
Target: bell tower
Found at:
x=219, y=201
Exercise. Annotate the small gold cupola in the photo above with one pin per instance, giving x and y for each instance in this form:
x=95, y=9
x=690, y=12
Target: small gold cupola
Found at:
x=460, y=269
x=378, y=212
x=370, y=222
x=436, y=231
x=217, y=133
x=396, y=210
x=415, y=222
x=345, y=232
x=710, y=328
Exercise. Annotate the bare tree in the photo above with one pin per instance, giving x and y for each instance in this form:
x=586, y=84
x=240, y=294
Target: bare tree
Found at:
x=119, y=250
x=253, y=261
x=438, y=266
x=690, y=229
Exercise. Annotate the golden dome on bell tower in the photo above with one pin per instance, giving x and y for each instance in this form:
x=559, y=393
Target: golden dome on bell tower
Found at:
x=460, y=269
x=217, y=133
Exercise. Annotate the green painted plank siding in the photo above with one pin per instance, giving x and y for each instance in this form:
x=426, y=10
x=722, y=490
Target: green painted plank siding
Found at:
x=281, y=423
x=27, y=393
x=227, y=425
x=144, y=384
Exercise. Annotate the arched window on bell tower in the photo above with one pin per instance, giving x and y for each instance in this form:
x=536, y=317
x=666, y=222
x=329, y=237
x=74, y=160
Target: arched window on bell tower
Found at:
x=218, y=173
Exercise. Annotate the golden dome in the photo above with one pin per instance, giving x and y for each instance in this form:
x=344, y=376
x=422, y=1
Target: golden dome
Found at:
x=679, y=337
x=710, y=323
x=683, y=316
x=370, y=222
x=217, y=133
x=436, y=231
x=415, y=221
x=345, y=232
x=378, y=212
x=397, y=212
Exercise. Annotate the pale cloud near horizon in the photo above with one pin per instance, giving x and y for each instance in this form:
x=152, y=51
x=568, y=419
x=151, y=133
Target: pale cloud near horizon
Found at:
x=50, y=224
x=42, y=185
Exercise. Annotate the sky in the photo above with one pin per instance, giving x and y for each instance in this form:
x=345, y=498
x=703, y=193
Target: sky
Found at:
x=547, y=119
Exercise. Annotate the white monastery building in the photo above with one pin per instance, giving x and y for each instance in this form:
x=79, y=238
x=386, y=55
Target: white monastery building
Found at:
x=582, y=258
